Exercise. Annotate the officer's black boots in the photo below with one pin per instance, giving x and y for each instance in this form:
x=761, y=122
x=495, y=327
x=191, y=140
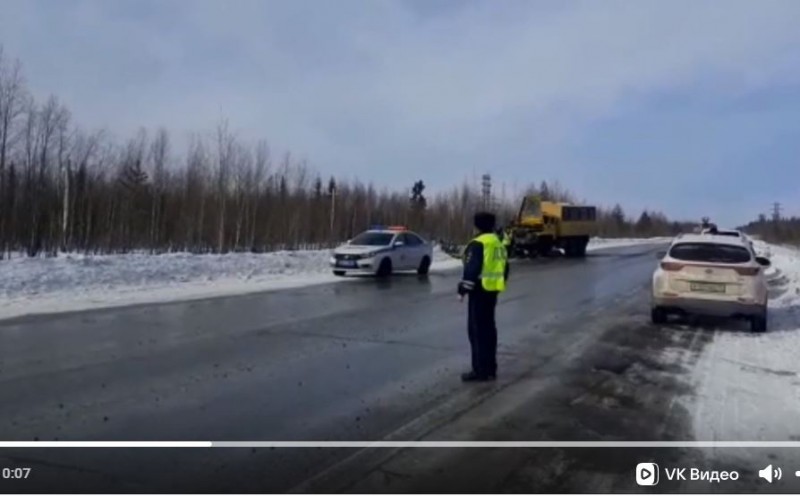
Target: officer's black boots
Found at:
x=474, y=377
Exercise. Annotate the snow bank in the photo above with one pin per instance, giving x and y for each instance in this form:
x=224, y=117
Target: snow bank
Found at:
x=747, y=384
x=78, y=282
x=602, y=243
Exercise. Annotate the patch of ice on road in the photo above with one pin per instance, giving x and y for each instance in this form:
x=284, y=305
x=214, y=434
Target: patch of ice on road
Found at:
x=748, y=385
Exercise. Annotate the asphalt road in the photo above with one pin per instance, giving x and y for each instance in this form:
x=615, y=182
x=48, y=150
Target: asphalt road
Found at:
x=357, y=360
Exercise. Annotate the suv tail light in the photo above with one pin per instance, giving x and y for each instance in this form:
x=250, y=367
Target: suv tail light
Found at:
x=671, y=266
x=747, y=271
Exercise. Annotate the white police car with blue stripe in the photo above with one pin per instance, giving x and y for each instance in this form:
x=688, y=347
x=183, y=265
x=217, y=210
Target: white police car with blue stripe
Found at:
x=382, y=251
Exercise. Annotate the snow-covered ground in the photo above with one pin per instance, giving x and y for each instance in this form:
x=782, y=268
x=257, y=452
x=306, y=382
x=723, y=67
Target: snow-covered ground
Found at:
x=72, y=282
x=748, y=385
x=601, y=243
x=77, y=282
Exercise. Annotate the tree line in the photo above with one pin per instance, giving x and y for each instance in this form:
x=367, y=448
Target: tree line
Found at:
x=65, y=189
x=778, y=229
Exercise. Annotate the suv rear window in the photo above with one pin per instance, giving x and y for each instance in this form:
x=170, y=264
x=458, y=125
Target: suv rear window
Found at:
x=710, y=252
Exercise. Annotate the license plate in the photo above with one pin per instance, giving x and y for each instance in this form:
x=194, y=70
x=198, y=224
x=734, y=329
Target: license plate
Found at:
x=707, y=287
x=346, y=263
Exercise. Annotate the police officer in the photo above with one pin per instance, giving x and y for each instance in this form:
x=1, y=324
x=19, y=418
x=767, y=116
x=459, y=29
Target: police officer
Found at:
x=485, y=276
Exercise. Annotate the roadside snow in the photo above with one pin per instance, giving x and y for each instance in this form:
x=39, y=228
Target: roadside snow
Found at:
x=77, y=282
x=748, y=384
x=602, y=243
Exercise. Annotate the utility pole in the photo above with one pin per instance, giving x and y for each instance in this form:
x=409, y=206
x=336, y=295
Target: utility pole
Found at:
x=332, y=194
x=333, y=209
x=486, y=187
x=776, y=211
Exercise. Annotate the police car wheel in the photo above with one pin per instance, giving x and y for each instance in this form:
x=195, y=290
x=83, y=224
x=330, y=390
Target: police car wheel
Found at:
x=424, y=266
x=339, y=273
x=385, y=268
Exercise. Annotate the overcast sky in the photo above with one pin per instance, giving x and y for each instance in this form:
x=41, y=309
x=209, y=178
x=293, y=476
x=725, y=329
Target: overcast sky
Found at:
x=691, y=107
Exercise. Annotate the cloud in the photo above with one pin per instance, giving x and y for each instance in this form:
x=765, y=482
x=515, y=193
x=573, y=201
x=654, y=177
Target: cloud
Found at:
x=393, y=90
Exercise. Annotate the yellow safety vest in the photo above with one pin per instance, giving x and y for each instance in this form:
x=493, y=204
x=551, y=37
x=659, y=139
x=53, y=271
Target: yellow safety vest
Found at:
x=495, y=258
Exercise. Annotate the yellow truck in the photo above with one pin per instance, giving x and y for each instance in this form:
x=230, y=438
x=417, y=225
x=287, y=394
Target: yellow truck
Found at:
x=541, y=226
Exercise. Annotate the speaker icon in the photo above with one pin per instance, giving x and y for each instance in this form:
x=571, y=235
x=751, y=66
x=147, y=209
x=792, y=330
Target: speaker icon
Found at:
x=769, y=474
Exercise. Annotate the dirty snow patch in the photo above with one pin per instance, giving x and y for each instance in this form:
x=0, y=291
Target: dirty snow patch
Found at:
x=747, y=384
x=603, y=243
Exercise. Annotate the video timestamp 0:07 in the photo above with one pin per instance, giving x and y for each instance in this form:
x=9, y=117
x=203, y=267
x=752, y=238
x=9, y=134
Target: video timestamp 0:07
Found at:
x=15, y=473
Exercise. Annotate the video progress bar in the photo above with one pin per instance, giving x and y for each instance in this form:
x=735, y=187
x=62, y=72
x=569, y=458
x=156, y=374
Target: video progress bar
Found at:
x=399, y=444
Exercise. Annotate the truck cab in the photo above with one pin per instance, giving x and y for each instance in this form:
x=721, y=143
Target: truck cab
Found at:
x=541, y=226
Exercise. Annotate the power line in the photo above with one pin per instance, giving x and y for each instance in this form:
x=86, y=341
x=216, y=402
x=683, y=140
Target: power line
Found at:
x=486, y=189
x=776, y=211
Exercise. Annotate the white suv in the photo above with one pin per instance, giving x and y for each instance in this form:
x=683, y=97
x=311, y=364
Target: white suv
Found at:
x=381, y=251
x=709, y=274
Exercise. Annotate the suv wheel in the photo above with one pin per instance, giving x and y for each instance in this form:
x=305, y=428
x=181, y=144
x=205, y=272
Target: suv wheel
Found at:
x=658, y=315
x=758, y=323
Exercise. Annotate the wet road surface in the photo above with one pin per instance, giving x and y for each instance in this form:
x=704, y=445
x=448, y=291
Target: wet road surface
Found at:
x=357, y=360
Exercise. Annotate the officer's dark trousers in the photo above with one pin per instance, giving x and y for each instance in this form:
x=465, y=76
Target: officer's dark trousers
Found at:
x=483, y=332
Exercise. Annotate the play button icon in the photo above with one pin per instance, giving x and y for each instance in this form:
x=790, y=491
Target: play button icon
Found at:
x=647, y=474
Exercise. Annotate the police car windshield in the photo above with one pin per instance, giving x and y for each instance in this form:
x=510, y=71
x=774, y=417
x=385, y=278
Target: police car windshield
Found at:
x=372, y=239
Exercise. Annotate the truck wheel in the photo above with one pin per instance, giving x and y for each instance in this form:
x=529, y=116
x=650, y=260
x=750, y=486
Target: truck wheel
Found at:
x=569, y=249
x=581, y=249
x=424, y=266
x=658, y=315
x=758, y=323
x=544, y=246
x=575, y=247
x=385, y=268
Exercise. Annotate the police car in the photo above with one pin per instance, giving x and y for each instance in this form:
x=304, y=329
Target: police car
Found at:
x=381, y=251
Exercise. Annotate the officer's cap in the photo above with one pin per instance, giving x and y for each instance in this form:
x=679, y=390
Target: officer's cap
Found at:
x=485, y=221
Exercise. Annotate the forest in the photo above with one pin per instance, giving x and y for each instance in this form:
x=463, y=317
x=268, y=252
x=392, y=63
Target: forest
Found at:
x=67, y=189
x=778, y=229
